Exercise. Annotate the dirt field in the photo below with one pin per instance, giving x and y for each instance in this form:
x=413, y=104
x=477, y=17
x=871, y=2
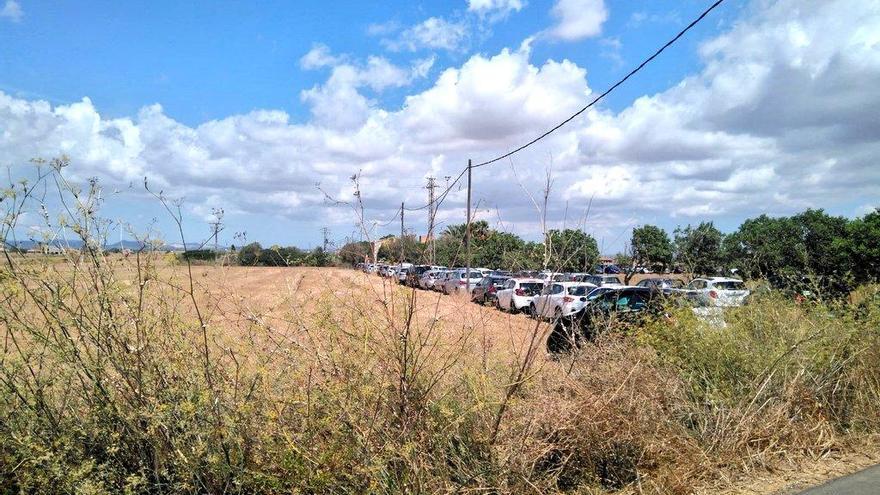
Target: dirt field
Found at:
x=286, y=328
x=270, y=288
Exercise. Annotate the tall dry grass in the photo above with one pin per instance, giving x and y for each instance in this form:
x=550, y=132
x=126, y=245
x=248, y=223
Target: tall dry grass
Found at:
x=120, y=374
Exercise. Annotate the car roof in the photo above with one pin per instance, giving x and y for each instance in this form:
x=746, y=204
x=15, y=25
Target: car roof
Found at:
x=536, y=280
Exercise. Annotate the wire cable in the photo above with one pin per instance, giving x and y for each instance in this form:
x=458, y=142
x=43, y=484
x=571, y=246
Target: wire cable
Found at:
x=442, y=195
x=595, y=100
x=396, y=214
x=609, y=90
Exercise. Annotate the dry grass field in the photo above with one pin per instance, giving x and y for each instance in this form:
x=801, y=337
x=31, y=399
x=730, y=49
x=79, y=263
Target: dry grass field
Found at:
x=141, y=374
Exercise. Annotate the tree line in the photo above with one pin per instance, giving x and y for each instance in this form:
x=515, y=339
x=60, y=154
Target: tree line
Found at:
x=254, y=254
x=812, y=248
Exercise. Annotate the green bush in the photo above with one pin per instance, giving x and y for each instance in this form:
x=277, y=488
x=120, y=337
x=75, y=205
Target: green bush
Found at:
x=779, y=373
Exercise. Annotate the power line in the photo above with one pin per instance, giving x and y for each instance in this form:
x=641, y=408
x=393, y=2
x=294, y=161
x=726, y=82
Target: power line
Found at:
x=435, y=202
x=609, y=90
x=442, y=195
x=389, y=221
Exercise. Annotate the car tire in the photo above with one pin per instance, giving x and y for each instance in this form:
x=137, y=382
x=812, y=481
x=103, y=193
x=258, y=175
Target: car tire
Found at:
x=513, y=309
x=557, y=315
x=533, y=311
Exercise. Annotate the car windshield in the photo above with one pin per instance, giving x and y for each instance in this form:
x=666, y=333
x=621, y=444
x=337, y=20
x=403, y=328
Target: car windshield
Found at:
x=596, y=293
x=581, y=290
x=730, y=285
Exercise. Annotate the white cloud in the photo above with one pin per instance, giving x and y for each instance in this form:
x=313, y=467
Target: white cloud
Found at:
x=338, y=103
x=781, y=116
x=433, y=33
x=383, y=28
x=495, y=9
x=578, y=19
x=319, y=56
x=12, y=11
x=495, y=98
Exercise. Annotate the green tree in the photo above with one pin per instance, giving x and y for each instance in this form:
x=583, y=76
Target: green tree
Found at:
x=249, y=254
x=572, y=250
x=698, y=249
x=354, y=252
x=650, y=247
x=413, y=250
x=501, y=250
x=862, y=246
x=805, y=251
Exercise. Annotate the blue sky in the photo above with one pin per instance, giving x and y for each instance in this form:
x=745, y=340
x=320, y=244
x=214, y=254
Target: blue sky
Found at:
x=217, y=102
x=211, y=60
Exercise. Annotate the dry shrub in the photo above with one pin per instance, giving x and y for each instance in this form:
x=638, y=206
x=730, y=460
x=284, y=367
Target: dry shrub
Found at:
x=602, y=417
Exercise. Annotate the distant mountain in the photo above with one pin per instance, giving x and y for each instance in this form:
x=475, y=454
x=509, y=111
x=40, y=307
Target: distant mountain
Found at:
x=120, y=245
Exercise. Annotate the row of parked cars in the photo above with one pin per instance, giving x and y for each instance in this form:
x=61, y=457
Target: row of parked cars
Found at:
x=555, y=295
x=577, y=304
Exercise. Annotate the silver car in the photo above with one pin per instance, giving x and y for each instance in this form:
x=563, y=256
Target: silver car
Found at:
x=458, y=281
x=719, y=291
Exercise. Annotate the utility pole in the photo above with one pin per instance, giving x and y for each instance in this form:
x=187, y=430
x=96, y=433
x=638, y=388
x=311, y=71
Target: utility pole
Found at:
x=432, y=212
x=325, y=232
x=401, y=233
x=467, y=232
x=216, y=227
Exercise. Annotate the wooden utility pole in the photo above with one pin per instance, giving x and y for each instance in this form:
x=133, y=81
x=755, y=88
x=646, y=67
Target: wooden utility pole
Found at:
x=467, y=232
x=401, y=233
x=432, y=212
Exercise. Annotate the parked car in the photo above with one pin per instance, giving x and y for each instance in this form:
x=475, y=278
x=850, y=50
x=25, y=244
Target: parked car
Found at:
x=431, y=278
x=402, y=273
x=426, y=281
x=414, y=276
x=602, y=280
x=441, y=280
x=719, y=291
x=627, y=306
x=598, y=291
x=517, y=293
x=560, y=299
x=462, y=280
x=614, y=269
x=484, y=292
x=662, y=283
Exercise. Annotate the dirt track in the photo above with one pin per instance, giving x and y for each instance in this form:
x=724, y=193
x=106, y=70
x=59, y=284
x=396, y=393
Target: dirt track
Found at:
x=275, y=292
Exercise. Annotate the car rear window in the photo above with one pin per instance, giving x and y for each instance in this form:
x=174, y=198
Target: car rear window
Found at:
x=531, y=286
x=730, y=285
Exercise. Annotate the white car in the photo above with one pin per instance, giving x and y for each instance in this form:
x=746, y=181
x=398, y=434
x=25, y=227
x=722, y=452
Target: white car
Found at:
x=517, y=293
x=458, y=281
x=426, y=281
x=440, y=280
x=603, y=280
x=719, y=291
x=560, y=299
